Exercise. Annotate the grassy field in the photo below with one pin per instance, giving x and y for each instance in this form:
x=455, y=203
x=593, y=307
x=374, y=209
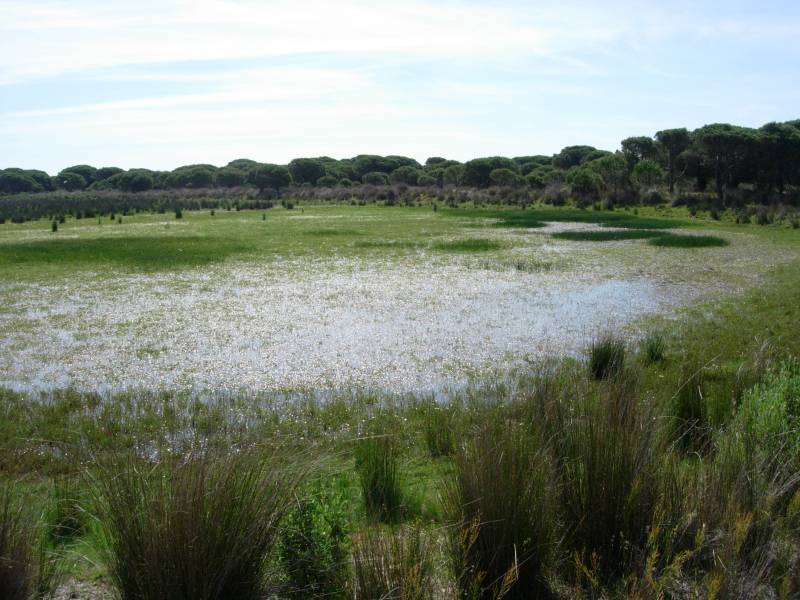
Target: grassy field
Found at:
x=661, y=465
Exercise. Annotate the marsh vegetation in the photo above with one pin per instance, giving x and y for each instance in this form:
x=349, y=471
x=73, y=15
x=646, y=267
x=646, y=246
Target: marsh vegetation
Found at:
x=653, y=456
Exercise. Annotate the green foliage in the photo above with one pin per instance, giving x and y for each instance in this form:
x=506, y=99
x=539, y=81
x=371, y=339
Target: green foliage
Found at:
x=477, y=172
x=12, y=182
x=135, y=180
x=606, y=357
x=314, y=544
x=231, y=177
x=85, y=172
x=585, y=183
x=375, y=178
x=327, y=181
x=647, y=173
x=638, y=148
x=453, y=175
x=573, y=156
x=306, y=170
x=266, y=177
x=406, y=174
x=70, y=181
x=506, y=177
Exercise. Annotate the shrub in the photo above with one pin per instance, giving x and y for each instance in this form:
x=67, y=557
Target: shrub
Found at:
x=606, y=357
x=178, y=213
x=314, y=542
x=54, y=226
x=26, y=569
x=379, y=474
x=198, y=527
x=503, y=499
x=392, y=565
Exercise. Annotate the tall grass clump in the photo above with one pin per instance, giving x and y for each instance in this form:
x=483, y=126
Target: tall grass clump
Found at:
x=199, y=527
x=438, y=430
x=392, y=564
x=65, y=516
x=690, y=408
x=378, y=466
x=503, y=500
x=314, y=544
x=609, y=448
x=606, y=357
x=27, y=571
x=653, y=347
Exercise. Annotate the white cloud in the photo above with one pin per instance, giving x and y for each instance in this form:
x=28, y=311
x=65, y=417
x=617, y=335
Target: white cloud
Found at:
x=60, y=37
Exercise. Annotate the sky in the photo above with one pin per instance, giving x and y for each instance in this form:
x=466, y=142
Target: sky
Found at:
x=161, y=83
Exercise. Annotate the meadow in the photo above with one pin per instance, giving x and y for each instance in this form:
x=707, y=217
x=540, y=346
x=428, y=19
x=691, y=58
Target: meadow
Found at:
x=387, y=402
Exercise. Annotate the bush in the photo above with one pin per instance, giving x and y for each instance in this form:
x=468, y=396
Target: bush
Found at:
x=198, y=527
x=26, y=569
x=314, y=543
x=606, y=357
x=393, y=565
x=379, y=474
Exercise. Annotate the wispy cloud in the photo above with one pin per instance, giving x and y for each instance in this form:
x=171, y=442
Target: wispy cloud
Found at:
x=163, y=82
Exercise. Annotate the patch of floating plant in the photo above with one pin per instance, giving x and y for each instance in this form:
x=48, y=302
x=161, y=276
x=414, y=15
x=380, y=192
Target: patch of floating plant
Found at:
x=398, y=244
x=608, y=235
x=468, y=245
x=688, y=241
x=332, y=232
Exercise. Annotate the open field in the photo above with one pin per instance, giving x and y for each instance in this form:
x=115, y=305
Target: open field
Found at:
x=468, y=395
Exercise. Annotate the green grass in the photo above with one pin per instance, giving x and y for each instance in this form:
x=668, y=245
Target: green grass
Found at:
x=688, y=241
x=149, y=253
x=607, y=236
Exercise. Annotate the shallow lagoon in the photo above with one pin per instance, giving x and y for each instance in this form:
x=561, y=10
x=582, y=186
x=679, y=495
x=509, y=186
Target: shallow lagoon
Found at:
x=415, y=321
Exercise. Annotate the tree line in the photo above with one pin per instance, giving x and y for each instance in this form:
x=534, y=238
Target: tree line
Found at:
x=713, y=159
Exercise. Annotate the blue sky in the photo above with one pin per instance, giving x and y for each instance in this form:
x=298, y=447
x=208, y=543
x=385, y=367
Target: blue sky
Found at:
x=159, y=84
